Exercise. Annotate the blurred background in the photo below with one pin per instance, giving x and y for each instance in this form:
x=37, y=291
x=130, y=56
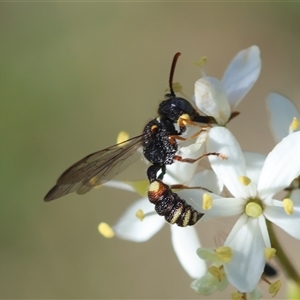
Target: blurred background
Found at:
x=72, y=76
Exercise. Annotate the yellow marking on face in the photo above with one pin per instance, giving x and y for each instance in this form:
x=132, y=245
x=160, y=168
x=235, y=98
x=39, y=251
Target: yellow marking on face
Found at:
x=183, y=118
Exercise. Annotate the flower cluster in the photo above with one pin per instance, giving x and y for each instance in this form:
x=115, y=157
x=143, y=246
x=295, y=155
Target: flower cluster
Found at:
x=244, y=184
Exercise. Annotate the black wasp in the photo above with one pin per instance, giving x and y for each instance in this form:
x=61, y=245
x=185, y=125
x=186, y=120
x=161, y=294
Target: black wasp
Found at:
x=159, y=142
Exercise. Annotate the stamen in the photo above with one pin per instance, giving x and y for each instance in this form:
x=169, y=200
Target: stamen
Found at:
x=201, y=62
x=238, y=296
x=253, y=210
x=288, y=206
x=274, y=288
x=140, y=215
x=106, y=230
x=216, y=272
x=245, y=180
x=294, y=125
x=207, y=201
x=122, y=137
x=269, y=253
x=177, y=87
x=224, y=253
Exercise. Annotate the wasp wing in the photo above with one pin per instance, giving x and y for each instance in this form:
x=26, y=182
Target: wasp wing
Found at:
x=95, y=169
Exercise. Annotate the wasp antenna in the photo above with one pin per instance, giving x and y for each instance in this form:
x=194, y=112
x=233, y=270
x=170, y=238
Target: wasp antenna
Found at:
x=175, y=58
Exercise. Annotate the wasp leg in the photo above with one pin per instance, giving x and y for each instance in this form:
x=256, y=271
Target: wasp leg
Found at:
x=179, y=137
x=184, y=187
x=192, y=160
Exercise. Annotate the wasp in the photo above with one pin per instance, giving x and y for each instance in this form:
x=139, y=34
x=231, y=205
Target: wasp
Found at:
x=159, y=143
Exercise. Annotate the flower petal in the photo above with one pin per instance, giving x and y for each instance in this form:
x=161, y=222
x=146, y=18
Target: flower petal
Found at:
x=211, y=99
x=248, y=261
x=185, y=243
x=119, y=185
x=180, y=172
x=228, y=170
x=281, y=111
x=225, y=207
x=289, y=223
x=209, y=180
x=208, y=284
x=295, y=196
x=254, y=164
x=241, y=74
x=282, y=165
x=129, y=227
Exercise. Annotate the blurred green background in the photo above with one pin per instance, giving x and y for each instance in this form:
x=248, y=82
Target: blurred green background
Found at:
x=72, y=76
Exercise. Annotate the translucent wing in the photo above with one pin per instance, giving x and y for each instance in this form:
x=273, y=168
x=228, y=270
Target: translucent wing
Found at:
x=95, y=169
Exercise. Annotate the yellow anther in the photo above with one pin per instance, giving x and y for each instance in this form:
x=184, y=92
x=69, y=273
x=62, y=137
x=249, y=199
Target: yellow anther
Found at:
x=207, y=201
x=201, y=62
x=245, y=180
x=269, y=253
x=106, y=230
x=294, y=125
x=224, y=253
x=253, y=210
x=140, y=215
x=141, y=186
x=122, y=137
x=274, y=288
x=216, y=272
x=288, y=206
x=237, y=296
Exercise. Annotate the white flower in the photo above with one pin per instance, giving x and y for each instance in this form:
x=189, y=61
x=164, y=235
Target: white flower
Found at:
x=184, y=240
x=282, y=112
x=284, y=120
x=215, y=279
x=219, y=98
x=253, y=201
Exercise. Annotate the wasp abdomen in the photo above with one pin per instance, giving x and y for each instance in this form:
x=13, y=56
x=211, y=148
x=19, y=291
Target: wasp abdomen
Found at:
x=171, y=206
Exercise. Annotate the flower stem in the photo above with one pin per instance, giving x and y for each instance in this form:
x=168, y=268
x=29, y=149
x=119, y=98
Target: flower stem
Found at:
x=284, y=261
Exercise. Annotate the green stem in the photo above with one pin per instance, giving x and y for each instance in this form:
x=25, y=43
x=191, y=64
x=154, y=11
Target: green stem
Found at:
x=284, y=261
